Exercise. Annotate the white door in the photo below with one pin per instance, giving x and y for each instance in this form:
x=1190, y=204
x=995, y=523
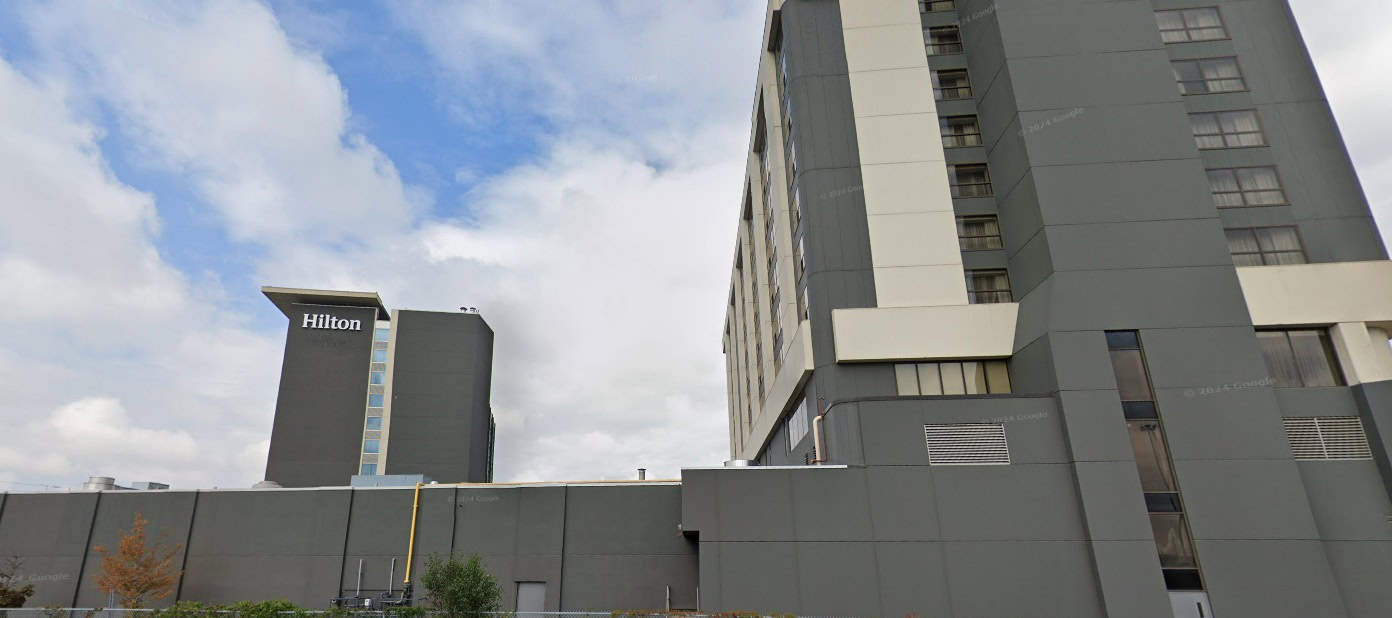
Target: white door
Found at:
x=531, y=597
x=1191, y=605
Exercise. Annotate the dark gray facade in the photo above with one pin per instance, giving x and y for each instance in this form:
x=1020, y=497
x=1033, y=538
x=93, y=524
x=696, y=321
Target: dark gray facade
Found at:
x=595, y=546
x=318, y=431
x=441, y=421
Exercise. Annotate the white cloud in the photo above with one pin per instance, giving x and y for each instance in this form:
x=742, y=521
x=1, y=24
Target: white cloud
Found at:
x=647, y=71
x=113, y=359
x=217, y=92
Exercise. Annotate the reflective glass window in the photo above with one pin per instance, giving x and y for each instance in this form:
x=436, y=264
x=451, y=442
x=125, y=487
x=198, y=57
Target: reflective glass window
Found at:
x=1172, y=540
x=1131, y=375
x=952, y=379
x=929, y=380
x=1152, y=455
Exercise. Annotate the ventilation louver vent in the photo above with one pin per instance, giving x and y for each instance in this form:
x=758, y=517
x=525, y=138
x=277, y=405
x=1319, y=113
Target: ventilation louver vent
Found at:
x=966, y=444
x=1327, y=437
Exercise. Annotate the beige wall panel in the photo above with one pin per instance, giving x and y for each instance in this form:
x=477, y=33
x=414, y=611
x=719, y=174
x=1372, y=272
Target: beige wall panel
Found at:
x=914, y=239
x=1363, y=352
x=885, y=47
x=1324, y=293
x=899, y=139
x=885, y=334
x=893, y=91
x=894, y=188
x=863, y=13
x=920, y=286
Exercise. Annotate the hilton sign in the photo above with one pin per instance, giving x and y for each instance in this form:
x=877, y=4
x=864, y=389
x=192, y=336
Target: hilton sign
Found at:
x=328, y=322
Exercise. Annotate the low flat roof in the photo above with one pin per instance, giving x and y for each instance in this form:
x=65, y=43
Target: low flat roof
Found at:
x=284, y=297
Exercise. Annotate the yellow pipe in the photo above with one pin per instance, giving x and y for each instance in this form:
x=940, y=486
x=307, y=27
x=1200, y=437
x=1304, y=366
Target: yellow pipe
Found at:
x=411, y=548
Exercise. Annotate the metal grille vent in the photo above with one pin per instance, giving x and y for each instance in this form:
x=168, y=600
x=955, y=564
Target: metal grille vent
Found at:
x=966, y=444
x=1327, y=438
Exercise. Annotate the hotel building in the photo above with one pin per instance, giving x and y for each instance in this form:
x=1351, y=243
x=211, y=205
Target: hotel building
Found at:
x=1093, y=284
x=368, y=392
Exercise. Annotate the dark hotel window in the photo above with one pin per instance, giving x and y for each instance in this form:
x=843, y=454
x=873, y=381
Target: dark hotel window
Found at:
x=978, y=233
x=951, y=85
x=1186, y=25
x=1246, y=186
x=969, y=180
x=1300, y=357
x=1264, y=246
x=933, y=6
x=1208, y=76
x=944, y=40
x=988, y=286
x=960, y=131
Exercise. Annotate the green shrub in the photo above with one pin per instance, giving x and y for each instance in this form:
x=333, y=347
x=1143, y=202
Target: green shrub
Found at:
x=266, y=609
x=461, y=589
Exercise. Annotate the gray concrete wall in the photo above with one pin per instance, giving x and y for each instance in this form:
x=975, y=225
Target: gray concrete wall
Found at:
x=317, y=436
x=596, y=546
x=441, y=376
x=1108, y=223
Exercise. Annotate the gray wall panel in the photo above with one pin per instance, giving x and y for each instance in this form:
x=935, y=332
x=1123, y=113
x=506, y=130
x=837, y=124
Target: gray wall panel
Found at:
x=902, y=570
x=1348, y=500
x=169, y=515
x=441, y=374
x=837, y=579
x=318, y=432
x=1022, y=578
x=1362, y=570
x=48, y=533
x=1245, y=499
x=1269, y=578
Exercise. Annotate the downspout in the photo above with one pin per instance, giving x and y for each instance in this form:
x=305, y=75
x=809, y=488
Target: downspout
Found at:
x=411, y=546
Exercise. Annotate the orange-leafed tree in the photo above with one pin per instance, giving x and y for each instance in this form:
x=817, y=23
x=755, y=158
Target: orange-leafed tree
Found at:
x=138, y=572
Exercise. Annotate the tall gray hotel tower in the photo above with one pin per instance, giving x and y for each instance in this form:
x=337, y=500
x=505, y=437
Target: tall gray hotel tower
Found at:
x=365, y=391
x=1090, y=284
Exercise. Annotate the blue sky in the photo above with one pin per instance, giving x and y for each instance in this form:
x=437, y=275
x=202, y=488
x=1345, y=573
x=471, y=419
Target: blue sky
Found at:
x=572, y=168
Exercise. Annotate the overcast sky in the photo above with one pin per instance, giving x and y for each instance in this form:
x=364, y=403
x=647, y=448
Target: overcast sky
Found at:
x=571, y=168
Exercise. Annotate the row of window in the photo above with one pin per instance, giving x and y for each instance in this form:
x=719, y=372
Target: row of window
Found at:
x=952, y=378
x=1173, y=541
x=376, y=401
x=1294, y=358
x=1260, y=246
x=1323, y=438
x=1212, y=130
x=1232, y=187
